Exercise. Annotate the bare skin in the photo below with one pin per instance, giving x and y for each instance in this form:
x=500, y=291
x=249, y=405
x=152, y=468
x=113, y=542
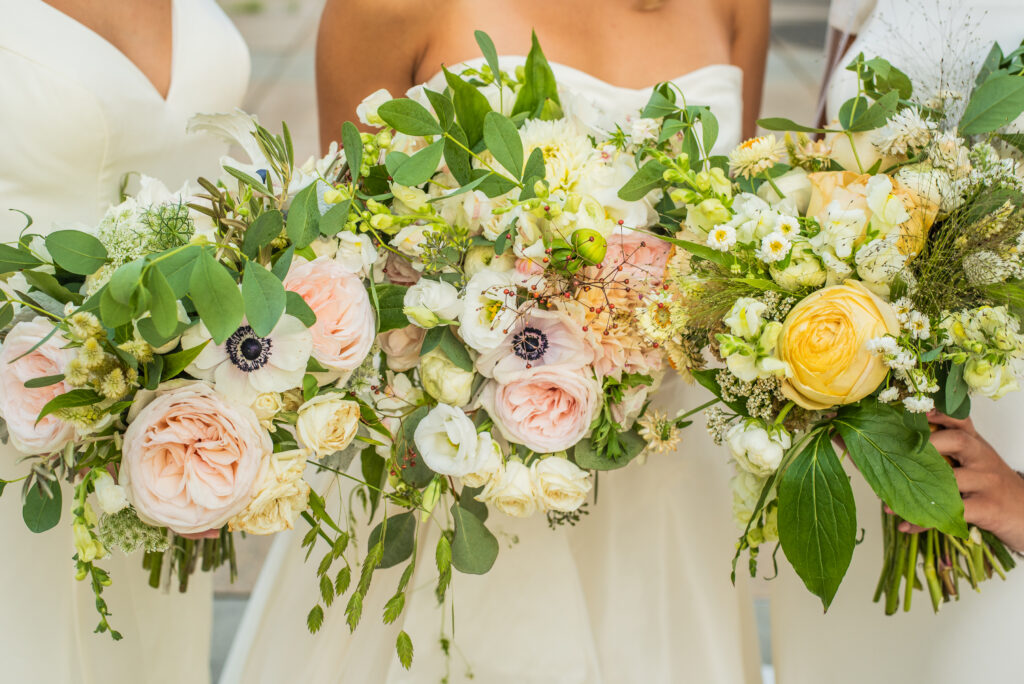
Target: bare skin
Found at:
x=364, y=45
x=140, y=29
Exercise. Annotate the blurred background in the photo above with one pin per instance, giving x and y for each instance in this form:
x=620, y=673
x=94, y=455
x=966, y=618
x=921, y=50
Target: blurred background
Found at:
x=281, y=35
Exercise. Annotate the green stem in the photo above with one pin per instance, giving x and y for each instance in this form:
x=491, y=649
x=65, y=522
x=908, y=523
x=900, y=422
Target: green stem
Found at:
x=705, y=405
x=911, y=575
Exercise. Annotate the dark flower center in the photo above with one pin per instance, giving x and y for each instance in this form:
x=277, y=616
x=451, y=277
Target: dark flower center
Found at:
x=530, y=344
x=248, y=351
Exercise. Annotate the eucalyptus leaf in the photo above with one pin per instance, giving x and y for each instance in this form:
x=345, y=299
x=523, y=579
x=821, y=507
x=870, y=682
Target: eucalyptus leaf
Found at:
x=474, y=548
x=76, y=252
x=409, y=117
x=390, y=303
x=335, y=219
x=41, y=510
x=176, y=265
x=16, y=259
x=264, y=298
x=455, y=350
x=262, y=232
x=443, y=107
x=352, y=143
x=503, y=141
x=163, y=305
x=216, y=297
x=398, y=538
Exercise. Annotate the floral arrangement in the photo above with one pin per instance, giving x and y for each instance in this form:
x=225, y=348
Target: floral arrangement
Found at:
x=838, y=291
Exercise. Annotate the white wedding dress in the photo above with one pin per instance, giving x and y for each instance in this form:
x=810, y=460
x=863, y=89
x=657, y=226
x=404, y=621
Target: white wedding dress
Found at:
x=76, y=115
x=976, y=639
x=638, y=591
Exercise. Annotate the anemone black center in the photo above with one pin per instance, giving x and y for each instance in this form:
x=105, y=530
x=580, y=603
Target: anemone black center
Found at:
x=530, y=344
x=247, y=350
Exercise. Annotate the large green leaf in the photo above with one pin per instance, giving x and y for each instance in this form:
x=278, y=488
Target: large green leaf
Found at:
x=398, y=538
x=264, y=298
x=503, y=141
x=877, y=114
x=335, y=219
x=409, y=117
x=589, y=458
x=902, y=467
x=389, y=303
x=818, y=518
x=539, y=84
x=470, y=107
x=262, y=231
x=178, y=361
x=474, y=548
x=40, y=511
x=76, y=252
x=352, y=143
x=15, y=259
x=456, y=154
x=73, y=399
x=215, y=294
x=993, y=104
x=304, y=217
x=417, y=169
x=163, y=305
x=649, y=177
x=176, y=265
x=455, y=350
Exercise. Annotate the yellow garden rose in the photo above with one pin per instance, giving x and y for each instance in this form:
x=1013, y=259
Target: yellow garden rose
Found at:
x=824, y=343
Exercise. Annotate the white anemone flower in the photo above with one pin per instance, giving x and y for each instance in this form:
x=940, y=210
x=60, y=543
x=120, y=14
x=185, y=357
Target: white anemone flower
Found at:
x=247, y=365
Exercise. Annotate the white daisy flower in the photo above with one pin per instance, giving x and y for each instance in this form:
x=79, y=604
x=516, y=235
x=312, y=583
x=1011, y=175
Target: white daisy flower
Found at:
x=247, y=365
x=918, y=325
x=774, y=248
x=755, y=156
x=788, y=226
x=722, y=237
x=905, y=131
x=903, y=307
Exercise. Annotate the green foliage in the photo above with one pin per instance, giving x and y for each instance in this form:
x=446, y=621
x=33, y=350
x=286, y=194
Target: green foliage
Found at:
x=474, y=549
x=335, y=219
x=352, y=143
x=455, y=350
x=262, y=232
x=627, y=446
x=399, y=534
x=176, y=363
x=503, y=141
x=16, y=259
x=649, y=177
x=993, y=104
x=403, y=646
x=304, y=217
x=42, y=507
x=163, y=305
x=470, y=109
x=76, y=252
x=417, y=169
x=296, y=306
x=389, y=304
x=73, y=399
x=216, y=297
x=264, y=298
x=539, y=86
x=409, y=117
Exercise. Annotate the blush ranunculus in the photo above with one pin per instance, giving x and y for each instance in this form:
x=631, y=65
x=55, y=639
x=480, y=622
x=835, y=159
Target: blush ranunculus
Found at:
x=546, y=409
x=344, y=328
x=20, y=405
x=192, y=460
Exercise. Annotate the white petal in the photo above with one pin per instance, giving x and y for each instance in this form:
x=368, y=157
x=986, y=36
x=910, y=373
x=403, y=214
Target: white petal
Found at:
x=235, y=384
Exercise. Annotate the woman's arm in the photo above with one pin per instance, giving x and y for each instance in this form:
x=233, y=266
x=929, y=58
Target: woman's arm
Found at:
x=362, y=46
x=749, y=51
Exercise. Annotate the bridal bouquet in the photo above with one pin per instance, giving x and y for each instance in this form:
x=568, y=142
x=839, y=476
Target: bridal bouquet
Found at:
x=835, y=294
x=172, y=369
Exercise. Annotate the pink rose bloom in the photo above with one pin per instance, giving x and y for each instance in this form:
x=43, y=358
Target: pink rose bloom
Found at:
x=344, y=328
x=545, y=409
x=402, y=347
x=192, y=460
x=400, y=271
x=643, y=259
x=19, y=405
x=538, y=338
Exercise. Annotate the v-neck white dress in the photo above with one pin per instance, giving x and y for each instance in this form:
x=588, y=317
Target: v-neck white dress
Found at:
x=638, y=592
x=75, y=116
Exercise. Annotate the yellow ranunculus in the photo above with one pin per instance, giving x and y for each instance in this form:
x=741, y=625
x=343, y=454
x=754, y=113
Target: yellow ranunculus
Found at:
x=824, y=342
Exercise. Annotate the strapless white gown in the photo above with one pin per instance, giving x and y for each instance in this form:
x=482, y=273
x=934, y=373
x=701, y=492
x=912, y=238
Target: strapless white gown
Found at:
x=75, y=116
x=978, y=638
x=638, y=591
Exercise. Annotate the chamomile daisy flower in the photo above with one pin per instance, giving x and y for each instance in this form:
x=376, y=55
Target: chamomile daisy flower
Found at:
x=918, y=325
x=722, y=237
x=774, y=248
x=659, y=432
x=788, y=226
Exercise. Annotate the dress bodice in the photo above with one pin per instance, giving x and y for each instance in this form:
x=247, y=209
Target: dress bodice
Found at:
x=77, y=114
x=601, y=104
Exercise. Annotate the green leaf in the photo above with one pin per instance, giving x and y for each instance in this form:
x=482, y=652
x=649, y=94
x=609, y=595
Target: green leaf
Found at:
x=126, y=280
x=398, y=539
x=418, y=475
x=539, y=84
x=41, y=510
x=409, y=117
x=468, y=500
x=334, y=219
x=16, y=259
x=776, y=123
x=393, y=608
x=72, y=399
x=993, y=104
x=315, y=619
x=177, y=267
x=6, y=314
x=304, y=217
x=283, y=263
x=455, y=350
x=264, y=298
x=403, y=645
x=389, y=304
x=818, y=518
x=262, y=232
x=443, y=107
x=489, y=52
x=470, y=108
x=46, y=381
x=955, y=390
x=649, y=177
x=659, y=105
x=699, y=250
x=589, y=458
x=902, y=466
x=418, y=168
x=163, y=305
x=492, y=184
x=456, y=156
x=474, y=548
x=296, y=306
x=44, y=282
x=505, y=237
x=432, y=339
x=176, y=363
x=534, y=169
x=76, y=252
x=503, y=141
x=215, y=294
x=876, y=115
x=352, y=143
x=248, y=180
x=372, y=467
x=113, y=313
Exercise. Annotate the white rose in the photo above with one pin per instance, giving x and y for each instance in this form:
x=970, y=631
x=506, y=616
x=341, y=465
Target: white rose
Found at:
x=745, y=317
x=111, y=496
x=489, y=310
x=366, y=111
x=428, y=303
x=804, y=270
x=482, y=257
x=327, y=424
x=356, y=252
x=489, y=457
x=280, y=497
x=755, y=450
x=511, y=491
x=446, y=439
x=445, y=381
x=266, y=406
x=795, y=186
x=560, y=484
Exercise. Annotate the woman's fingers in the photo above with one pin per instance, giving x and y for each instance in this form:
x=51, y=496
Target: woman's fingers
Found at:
x=939, y=418
x=971, y=480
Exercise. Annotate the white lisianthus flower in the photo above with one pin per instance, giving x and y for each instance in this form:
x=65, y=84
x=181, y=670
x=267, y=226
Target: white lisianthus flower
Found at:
x=366, y=111
x=489, y=458
x=804, y=269
x=356, y=253
x=745, y=318
x=755, y=449
x=447, y=440
x=990, y=380
x=111, y=496
x=839, y=230
x=643, y=130
x=774, y=248
x=489, y=310
x=430, y=303
x=887, y=210
x=512, y=491
x=327, y=424
x=722, y=237
x=560, y=484
x=445, y=381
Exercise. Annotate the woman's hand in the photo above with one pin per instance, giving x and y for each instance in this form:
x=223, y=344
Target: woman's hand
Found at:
x=993, y=492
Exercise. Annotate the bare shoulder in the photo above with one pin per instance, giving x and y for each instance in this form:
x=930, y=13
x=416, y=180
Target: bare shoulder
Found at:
x=394, y=18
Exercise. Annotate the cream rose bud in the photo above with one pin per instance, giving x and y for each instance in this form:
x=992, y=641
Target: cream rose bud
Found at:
x=327, y=424
x=446, y=439
x=755, y=449
x=560, y=484
x=841, y=150
x=794, y=184
x=111, y=496
x=512, y=491
x=746, y=317
x=482, y=258
x=366, y=110
x=281, y=496
x=489, y=456
x=989, y=380
x=804, y=270
x=445, y=381
x=266, y=406
x=430, y=302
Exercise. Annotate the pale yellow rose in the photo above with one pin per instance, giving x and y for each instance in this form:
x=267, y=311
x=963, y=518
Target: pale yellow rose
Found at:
x=281, y=497
x=327, y=424
x=824, y=343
